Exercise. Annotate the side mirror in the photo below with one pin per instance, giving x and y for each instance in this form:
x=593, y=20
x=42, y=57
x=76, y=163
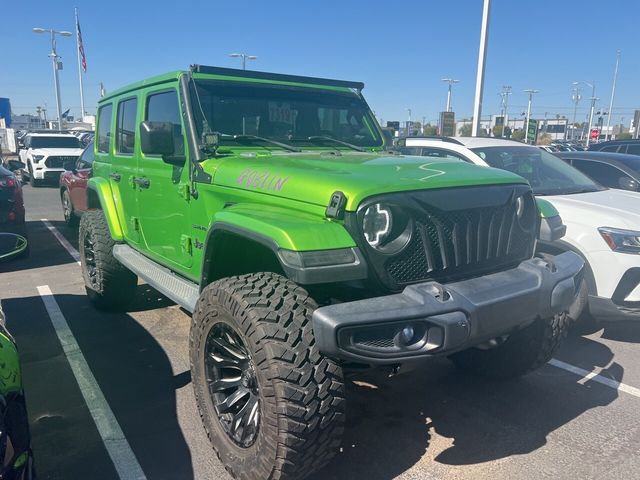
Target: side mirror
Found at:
x=15, y=165
x=156, y=138
x=627, y=183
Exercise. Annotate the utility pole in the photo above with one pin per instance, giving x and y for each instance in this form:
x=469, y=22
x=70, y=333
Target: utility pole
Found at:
x=409, y=123
x=613, y=93
x=482, y=57
x=530, y=91
x=422, y=127
x=506, y=91
x=451, y=82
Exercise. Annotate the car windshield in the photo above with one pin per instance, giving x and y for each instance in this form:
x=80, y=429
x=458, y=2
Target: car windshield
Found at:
x=55, y=142
x=297, y=116
x=546, y=173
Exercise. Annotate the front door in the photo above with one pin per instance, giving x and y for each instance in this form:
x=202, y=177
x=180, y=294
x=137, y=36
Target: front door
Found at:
x=163, y=189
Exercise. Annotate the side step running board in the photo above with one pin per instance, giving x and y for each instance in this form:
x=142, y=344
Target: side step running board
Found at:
x=178, y=289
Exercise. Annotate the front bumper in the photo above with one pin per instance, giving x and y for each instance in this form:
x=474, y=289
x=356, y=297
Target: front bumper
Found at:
x=430, y=319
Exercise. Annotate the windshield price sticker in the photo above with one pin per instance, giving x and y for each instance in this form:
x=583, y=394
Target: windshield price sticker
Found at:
x=281, y=113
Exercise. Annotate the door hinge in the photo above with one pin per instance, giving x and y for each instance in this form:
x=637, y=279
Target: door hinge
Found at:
x=135, y=223
x=186, y=244
x=185, y=191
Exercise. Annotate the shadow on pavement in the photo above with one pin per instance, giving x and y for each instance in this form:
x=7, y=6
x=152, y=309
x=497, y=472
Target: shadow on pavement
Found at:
x=133, y=372
x=627, y=331
x=439, y=415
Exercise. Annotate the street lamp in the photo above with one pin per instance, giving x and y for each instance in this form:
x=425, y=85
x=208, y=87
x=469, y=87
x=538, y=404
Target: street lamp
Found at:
x=530, y=91
x=409, y=123
x=451, y=82
x=56, y=65
x=593, y=104
x=244, y=57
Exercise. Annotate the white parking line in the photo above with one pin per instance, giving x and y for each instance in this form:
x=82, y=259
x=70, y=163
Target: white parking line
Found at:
x=587, y=375
x=63, y=241
x=123, y=458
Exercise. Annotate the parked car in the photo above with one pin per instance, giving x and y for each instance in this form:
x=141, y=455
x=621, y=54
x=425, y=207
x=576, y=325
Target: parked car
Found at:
x=548, y=148
x=603, y=225
x=631, y=147
x=73, y=186
x=11, y=200
x=266, y=205
x=613, y=170
x=44, y=154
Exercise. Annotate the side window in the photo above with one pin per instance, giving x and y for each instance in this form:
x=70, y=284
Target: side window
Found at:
x=633, y=149
x=442, y=154
x=126, y=126
x=164, y=107
x=611, y=148
x=409, y=150
x=602, y=173
x=104, y=128
x=86, y=159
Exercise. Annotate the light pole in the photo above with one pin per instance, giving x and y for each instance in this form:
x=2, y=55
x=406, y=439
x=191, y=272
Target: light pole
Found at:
x=409, y=123
x=244, y=57
x=56, y=65
x=613, y=93
x=482, y=57
x=451, y=82
x=530, y=91
x=576, y=97
x=593, y=104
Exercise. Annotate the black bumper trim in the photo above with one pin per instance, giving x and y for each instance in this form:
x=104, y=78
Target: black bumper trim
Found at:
x=447, y=318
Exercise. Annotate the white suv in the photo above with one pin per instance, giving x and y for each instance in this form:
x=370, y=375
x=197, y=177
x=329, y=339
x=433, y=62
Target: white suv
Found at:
x=603, y=225
x=45, y=155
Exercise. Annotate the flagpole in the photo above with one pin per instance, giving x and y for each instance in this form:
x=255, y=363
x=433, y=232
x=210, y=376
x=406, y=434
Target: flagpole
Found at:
x=79, y=68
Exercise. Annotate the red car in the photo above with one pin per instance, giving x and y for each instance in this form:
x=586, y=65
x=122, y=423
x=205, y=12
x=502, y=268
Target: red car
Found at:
x=73, y=186
x=11, y=203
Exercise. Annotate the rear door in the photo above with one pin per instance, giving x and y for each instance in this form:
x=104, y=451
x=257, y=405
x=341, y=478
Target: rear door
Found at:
x=78, y=180
x=163, y=189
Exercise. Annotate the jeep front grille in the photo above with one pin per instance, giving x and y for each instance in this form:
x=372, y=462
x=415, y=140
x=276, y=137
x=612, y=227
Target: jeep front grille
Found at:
x=457, y=233
x=59, y=161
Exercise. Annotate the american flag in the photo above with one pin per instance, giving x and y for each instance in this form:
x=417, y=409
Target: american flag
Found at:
x=83, y=60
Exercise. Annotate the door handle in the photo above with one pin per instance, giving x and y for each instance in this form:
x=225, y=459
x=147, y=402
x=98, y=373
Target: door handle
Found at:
x=142, y=182
x=115, y=177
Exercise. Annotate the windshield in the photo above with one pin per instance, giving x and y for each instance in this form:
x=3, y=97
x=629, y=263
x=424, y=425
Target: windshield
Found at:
x=546, y=173
x=291, y=115
x=55, y=142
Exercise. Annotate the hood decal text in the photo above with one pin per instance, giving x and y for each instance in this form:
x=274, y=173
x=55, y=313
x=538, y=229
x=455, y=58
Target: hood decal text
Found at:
x=263, y=180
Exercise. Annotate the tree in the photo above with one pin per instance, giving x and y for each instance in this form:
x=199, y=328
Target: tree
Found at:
x=497, y=131
x=430, y=130
x=465, y=130
x=623, y=136
x=518, y=135
x=544, y=139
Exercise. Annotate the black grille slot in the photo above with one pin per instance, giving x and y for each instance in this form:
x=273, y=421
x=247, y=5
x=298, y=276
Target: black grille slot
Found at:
x=457, y=237
x=59, y=161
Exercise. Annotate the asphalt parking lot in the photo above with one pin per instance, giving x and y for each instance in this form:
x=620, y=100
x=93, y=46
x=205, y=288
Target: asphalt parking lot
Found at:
x=577, y=418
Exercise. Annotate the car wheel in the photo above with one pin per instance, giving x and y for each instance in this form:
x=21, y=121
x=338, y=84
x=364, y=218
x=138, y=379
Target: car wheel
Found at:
x=272, y=405
x=70, y=217
x=32, y=180
x=518, y=353
x=109, y=284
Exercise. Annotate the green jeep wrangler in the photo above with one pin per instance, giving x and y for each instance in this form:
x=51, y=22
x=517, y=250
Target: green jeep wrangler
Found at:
x=267, y=206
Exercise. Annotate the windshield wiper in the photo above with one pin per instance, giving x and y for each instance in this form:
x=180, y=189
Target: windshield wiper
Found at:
x=261, y=139
x=334, y=140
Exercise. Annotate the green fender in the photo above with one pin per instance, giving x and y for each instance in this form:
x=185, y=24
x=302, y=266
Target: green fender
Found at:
x=102, y=190
x=282, y=228
x=10, y=377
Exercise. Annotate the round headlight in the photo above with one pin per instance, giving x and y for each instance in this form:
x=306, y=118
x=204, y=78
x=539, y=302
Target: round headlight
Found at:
x=386, y=228
x=376, y=224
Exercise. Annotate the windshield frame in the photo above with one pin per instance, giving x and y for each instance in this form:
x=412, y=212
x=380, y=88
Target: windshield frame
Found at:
x=581, y=182
x=298, y=92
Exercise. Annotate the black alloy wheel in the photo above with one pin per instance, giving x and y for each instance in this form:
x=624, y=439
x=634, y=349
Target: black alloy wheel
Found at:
x=233, y=385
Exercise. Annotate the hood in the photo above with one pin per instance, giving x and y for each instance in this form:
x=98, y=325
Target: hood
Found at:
x=607, y=208
x=57, y=151
x=314, y=177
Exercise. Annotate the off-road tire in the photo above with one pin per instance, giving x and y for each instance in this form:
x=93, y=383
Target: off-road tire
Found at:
x=300, y=392
x=114, y=286
x=522, y=352
x=70, y=217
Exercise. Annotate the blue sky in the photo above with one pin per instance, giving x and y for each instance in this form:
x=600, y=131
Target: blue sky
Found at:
x=400, y=50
